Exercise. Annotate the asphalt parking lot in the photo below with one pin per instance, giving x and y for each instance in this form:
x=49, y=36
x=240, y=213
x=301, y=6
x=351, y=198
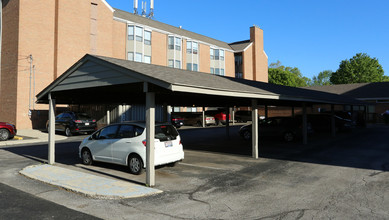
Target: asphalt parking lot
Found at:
x=343, y=177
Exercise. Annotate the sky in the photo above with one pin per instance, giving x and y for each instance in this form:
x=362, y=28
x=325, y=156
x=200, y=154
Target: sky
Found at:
x=312, y=35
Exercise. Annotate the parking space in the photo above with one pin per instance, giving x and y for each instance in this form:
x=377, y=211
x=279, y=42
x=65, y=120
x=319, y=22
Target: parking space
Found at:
x=342, y=177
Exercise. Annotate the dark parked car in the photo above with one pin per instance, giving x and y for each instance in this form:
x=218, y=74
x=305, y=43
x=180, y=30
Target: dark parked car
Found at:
x=287, y=128
x=74, y=123
x=322, y=122
x=7, y=131
x=243, y=116
x=177, y=121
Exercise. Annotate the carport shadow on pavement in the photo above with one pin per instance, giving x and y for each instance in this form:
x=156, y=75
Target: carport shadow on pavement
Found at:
x=67, y=154
x=365, y=148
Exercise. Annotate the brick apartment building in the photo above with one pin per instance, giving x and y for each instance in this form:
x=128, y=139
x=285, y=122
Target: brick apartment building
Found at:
x=41, y=39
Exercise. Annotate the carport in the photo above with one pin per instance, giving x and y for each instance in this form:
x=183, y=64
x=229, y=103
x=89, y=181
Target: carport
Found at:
x=104, y=80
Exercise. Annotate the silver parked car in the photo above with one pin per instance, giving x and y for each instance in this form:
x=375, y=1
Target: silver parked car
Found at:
x=125, y=144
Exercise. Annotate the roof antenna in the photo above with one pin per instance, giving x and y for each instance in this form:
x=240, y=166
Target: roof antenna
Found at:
x=144, y=3
x=151, y=14
x=135, y=6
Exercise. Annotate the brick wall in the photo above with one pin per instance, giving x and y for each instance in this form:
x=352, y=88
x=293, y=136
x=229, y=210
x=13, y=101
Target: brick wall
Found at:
x=9, y=62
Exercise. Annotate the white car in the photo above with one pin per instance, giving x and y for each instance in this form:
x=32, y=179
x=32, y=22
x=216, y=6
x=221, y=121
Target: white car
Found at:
x=125, y=144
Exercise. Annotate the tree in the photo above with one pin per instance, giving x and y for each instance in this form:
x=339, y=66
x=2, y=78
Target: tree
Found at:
x=322, y=79
x=359, y=69
x=286, y=76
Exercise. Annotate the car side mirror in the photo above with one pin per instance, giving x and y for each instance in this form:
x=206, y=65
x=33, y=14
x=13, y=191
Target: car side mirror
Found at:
x=93, y=137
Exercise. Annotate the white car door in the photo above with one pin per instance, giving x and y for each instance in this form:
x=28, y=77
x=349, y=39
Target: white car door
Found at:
x=101, y=146
x=129, y=141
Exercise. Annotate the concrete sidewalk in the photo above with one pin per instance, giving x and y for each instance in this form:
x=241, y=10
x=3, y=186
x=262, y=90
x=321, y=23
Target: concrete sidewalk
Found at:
x=29, y=136
x=71, y=180
x=86, y=184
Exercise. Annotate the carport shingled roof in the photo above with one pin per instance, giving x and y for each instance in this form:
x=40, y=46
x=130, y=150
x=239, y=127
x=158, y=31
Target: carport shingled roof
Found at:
x=361, y=91
x=178, y=80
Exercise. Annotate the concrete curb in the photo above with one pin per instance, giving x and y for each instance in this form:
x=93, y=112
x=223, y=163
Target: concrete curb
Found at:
x=30, y=136
x=86, y=184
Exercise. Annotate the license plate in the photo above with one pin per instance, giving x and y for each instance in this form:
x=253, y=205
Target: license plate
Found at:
x=86, y=123
x=168, y=144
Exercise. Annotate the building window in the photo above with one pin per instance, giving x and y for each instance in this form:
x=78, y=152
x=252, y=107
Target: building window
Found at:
x=147, y=37
x=195, y=67
x=147, y=59
x=216, y=54
x=212, y=52
x=130, y=32
x=171, y=63
x=212, y=70
x=188, y=47
x=189, y=66
x=171, y=43
x=222, y=72
x=130, y=56
x=221, y=54
x=217, y=71
x=138, y=57
x=195, y=47
x=178, y=64
x=178, y=43
x=139, y=34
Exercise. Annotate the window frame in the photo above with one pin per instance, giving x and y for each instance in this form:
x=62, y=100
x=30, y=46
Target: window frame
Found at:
x=189, y=66
x=195, y=51
x=128, y=56
x=130, y=36
x=171, y=43
x=189, y=48
x=177, y=43
x=179, y=64
x=171, y=63
x=148, y=57
x=137, y=55
x=217, y=54
x=217, y=71
x=147, y=41
x=221, y=54
x=139, y=38
x=212, y=54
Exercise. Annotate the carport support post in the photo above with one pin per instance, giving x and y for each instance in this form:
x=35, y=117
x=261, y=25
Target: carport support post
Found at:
x=166, y=112
x=233, y=115
x=266, y=111
x=108, y=117
x=150, y=133
x=51, y=155
x=203, y=124
x=228, y=122
x=305, y=131
x=333, y=132
x=254, y=129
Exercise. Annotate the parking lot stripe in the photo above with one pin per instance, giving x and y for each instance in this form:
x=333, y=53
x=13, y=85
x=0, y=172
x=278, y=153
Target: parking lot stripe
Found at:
x=206, y=167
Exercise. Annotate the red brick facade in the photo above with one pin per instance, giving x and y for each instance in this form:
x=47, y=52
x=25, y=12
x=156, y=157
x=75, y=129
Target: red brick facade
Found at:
x=56, y=34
